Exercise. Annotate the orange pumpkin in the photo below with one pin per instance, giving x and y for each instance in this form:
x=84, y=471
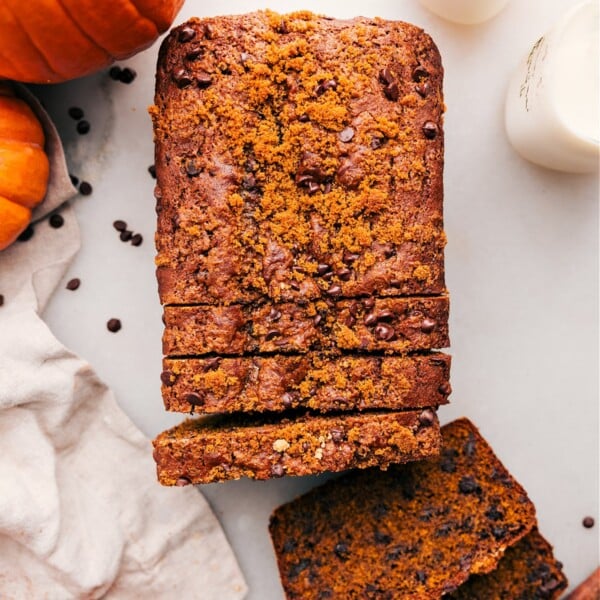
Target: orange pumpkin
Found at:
x=49, y=41
x=24, y=166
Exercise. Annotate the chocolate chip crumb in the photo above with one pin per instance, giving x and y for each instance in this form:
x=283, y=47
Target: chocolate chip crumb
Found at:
x=588, y=522
x=27, y=234
x=76, y=113
x=56, y=221
x=430, y=130
x=115, y=73
x=384, y=332
x=73, y=284
x=83, y=127
x=137, y=239
x=113, y=325
x=125, y=235
x=120, y=225
x=127, y=75
x=85, y=188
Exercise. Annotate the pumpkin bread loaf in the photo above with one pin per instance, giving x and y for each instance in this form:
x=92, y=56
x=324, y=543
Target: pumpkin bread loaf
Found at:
x=218, y=448
x=416, y=531
x=298, y=157
x=310, y=381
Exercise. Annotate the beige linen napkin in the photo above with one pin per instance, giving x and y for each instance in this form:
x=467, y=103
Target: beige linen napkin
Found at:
x=81, y=513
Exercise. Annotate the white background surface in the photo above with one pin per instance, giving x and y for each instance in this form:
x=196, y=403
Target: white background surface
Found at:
x=522, y=269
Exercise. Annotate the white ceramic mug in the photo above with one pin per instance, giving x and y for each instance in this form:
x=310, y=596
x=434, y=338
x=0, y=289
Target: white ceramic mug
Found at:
x=553, y=103
x=466, y=12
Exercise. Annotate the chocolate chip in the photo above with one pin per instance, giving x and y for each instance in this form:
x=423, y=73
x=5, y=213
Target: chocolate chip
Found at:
x=1, y=300
x=427, y=417
x=271, y=334
x=445, y=388
x=125, y=235
x=56, y=221
x=73, y=284
x=168, y=378
x=419, y=74
x=120, y=225
x=76, y=113
x=186, y=34
x=370, y=319
x=115, y=73
x=337, y=435
x=192, y=168
x=317, y=319
x=248, y=182
x=137, y=239
x=194, y=399
x=428, y=325
x=447, y=464
x=392, y=91
x=277, y=470
x=182, y=481
x=127, y=75
x=298, y=567
x=369, y=302
x=208, y=31
x=287, y=399
x=330, y=84
x=494, y=513
x=344, y=274
x=341, y=550
x=113, y=325
x=385, y=314
x=384, y=332
x=346, y=134
x=377, y=142
x=312, y=187
x=588, y=522
x=349, y=257
x=26, y=234
x=468, y=485
x=203, y=80
x=152, y=171
x=549, y=587
x=334, y=290
x=420, y=576
x=499, y=532
x=423, y=89
x=74, y=180
x=323, y=268
x=181, y=78
x=430, y=130
x=349, y=320
x=85, y=188
x=304, y=118
x=385, y=76
x=83, y=127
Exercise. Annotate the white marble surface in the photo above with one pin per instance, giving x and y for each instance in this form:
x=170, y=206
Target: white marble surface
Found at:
x=522, y=268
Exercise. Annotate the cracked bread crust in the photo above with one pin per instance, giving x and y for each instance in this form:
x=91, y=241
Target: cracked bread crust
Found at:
x=313, y=381
x=298, y=157
x=209, y=449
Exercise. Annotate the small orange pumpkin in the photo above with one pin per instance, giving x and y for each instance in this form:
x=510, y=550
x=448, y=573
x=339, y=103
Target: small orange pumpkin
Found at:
x=24, y=166
x=49, y=41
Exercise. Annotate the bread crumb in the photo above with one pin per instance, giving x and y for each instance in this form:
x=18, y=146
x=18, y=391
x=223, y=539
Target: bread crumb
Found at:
x=280, y=445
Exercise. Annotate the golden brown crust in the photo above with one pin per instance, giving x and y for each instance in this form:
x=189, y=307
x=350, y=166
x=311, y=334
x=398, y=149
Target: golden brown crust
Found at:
x=396, y=325
x=417, y=531
x=217, y=449
x=313, y=381
x=296, y=154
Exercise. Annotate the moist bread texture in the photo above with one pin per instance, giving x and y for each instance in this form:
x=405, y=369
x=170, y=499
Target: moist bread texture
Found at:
x=416, y=531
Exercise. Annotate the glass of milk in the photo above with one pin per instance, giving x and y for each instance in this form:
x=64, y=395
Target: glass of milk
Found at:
x=553, y=104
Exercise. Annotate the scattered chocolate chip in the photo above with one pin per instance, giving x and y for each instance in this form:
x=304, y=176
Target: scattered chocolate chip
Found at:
x=419, y=74
x=428, y=325
x=337, y=435
x=385, y=314
x=349, y=257
x=392, y=91
x=152, y=171
x=370, y=319
x=287, y=399
x=494, y=513
x=427, y=417
x=334, y=290
x=194, y=399
x=588, y=522
x=85, y=188
x=385, y=76
x=56, y=221
x=120, y=225
x=277, y=470
x=181, y=78
x=73, y=284
x=341, y=550
x=423, y=89
x=344, y=274
x=83, y=127
x=115, y=73
x=186, y=34
x=127, y=75
x=137, y=239
x=74, y=180
x=346, y=134
x=1, y=300
x=182, y=481
x=203, y=80
x=167, y=378
x=468, y=485
x=27, y=234
x=445, y=388
x=192, y=168
x=323, y=268
x=420, y=576
x=113, y=325
x=384, y=332
x=330, y=84
x=304, y=118
x=430, y=130
x=75, y=113
x=274, y=314
x=369, y=302
x=125, y=235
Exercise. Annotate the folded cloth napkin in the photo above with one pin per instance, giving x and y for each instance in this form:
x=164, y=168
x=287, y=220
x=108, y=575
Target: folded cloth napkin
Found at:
x=81, y=513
